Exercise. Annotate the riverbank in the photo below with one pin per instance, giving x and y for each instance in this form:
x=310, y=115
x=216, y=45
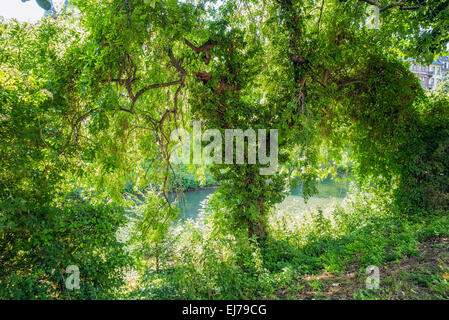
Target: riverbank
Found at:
x=309, y=255
x=422, y=276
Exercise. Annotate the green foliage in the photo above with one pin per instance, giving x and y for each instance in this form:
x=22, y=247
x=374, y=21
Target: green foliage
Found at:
x=41, y=230
x=423, y=186
x=187, y=178
x=38, y=243
x=89, y=102
x=204, y=261
x=149, y=219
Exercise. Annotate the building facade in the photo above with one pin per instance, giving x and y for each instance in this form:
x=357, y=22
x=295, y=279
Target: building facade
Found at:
x=432, y=76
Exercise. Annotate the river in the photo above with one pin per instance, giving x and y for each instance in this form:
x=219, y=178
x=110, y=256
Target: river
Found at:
x=329, y=191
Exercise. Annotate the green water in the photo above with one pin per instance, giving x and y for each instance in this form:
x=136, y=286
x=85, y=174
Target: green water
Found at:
x=190, y=203
x=329, y=192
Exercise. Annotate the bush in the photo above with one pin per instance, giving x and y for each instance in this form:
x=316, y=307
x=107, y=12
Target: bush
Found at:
x=38, y=244
x=424, y=173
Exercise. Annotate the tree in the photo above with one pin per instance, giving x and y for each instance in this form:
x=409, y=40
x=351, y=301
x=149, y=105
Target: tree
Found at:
x=46, y=224
x=325, y=74
x=109, y=86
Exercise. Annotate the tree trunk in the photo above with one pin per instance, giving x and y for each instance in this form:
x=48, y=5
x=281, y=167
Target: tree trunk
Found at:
x=258, y=227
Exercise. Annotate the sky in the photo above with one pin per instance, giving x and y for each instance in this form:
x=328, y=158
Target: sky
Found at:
x=23, y=11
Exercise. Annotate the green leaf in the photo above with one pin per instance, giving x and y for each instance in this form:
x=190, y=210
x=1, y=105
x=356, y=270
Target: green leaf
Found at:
x=152, y=3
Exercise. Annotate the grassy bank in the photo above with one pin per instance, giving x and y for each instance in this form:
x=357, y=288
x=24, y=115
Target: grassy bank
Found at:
x=311, y=254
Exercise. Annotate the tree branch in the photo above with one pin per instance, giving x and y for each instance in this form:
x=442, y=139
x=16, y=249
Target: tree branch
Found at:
x=132, y=77
x=401, y=4
x=204, y=48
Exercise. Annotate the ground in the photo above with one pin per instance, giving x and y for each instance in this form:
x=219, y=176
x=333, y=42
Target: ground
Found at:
x=423, y=276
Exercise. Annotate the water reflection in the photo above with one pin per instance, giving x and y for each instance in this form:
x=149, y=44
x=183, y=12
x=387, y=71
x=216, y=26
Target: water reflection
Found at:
x=329, y=191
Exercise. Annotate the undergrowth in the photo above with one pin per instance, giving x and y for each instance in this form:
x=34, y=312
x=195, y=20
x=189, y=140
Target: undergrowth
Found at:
x=208, y=259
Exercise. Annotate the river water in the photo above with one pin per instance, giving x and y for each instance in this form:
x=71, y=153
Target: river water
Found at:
x=329, y=191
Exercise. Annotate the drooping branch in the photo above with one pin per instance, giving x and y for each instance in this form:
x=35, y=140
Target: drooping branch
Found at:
x=321, y=14
x=182, y=77
x=403, y=5
x=130, y=69
x=204, y=77
x=179, y=68
x=222, y=83
x=204, y=48
x=299, y=62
